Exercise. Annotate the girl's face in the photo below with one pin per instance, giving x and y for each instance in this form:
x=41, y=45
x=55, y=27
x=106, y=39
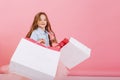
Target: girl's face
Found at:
x=42, y=22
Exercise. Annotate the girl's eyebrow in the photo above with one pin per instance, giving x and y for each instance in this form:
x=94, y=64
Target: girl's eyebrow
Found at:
x=45, y=19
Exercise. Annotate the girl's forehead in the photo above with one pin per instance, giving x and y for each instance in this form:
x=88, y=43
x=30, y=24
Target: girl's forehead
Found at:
x=42, y=16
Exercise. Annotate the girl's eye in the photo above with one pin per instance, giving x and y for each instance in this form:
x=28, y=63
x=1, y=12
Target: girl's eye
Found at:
x=42, y=20
x=45, y=20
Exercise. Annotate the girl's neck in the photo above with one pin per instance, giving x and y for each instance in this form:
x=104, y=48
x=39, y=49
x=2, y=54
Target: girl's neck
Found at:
x=42, y=28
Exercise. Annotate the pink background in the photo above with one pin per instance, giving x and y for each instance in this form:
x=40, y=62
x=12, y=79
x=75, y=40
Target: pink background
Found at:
x=95, y=23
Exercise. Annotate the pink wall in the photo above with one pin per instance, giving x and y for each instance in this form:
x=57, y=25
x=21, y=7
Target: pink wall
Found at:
x=93, y=22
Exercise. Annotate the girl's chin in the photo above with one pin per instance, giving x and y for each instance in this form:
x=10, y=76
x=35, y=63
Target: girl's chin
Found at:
x=42, y=26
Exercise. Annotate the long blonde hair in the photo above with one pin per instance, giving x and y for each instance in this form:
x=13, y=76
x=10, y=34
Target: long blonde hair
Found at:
x=47, y=28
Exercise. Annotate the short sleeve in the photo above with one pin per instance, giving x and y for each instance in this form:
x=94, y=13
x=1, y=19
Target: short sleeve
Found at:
x=34, y=36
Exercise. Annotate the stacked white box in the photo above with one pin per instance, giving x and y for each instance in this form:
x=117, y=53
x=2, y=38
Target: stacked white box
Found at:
x=34, y=61
x=73, y=53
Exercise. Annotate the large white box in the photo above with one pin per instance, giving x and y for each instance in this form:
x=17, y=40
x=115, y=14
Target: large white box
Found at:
x=73, y=53
x=34, y=61
x=39, y=63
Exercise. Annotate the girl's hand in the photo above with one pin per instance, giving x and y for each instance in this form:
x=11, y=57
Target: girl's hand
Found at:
x=54, y=44
x=41, y=41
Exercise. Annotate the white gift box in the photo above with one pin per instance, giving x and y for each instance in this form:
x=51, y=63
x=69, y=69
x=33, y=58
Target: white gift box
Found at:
x=34, y=61
x=39, y=63
x=73, y=53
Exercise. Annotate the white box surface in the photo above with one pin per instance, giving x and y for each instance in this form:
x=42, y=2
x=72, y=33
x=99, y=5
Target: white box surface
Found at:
x=34, y=61
x=73, y=53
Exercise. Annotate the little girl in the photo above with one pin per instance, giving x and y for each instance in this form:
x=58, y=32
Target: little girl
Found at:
x=41, y=31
